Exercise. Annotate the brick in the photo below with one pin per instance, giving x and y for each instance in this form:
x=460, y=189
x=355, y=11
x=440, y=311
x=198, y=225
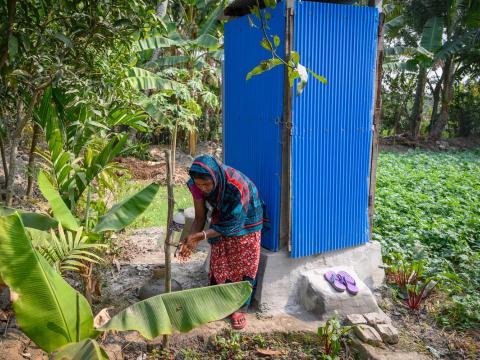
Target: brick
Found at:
x=356, y=319
x=368, y=335
x=377, y=318
x=388, y=333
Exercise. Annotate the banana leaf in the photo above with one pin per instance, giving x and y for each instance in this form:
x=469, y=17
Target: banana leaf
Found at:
x=49, y=311
x=142, y=79
x=32, y=220
x=432, y=34
x=87, y=349
x=181, y=310
x=125, y=212
x=61, y=212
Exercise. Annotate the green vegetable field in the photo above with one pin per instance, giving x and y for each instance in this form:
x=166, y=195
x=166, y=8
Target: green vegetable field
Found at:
x=428, y=207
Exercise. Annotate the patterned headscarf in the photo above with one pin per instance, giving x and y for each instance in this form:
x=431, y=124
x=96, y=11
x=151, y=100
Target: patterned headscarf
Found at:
x=237, y=207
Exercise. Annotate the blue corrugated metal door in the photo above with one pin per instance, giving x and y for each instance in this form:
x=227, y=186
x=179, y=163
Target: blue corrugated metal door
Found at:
x=252, y=113
x=332, y=127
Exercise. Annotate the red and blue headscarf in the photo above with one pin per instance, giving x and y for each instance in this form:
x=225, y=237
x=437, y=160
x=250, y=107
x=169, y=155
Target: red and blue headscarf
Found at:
x=238, y=209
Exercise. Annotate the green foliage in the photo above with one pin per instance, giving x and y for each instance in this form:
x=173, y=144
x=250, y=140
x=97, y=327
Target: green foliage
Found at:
x=411, y=279
x=465, y=112
x=294, y=68
x=427, y=208
x=87, y=349
x=183, y=310
x=156, y=214
x=331, y=335
x=32, y=220
x=229, y=346
x=125, y=212
x=68, y=251
x=117, y=218
x=48, y=310
x=59, y=209
x=54, y=315
x=432, y=34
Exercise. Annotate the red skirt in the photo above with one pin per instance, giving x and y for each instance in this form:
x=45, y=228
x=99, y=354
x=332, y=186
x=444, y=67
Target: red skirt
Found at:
x=234, y=258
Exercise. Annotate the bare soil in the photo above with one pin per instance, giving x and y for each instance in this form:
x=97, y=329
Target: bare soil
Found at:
x=402, y=143
x=155, y=169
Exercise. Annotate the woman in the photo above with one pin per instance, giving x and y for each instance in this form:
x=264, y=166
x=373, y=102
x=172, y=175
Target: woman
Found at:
x=237, y=221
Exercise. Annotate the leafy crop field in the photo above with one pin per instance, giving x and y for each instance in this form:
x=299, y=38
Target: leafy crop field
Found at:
x=428, y=206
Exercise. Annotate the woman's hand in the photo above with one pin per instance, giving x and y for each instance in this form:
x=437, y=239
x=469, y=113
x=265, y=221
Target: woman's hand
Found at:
x=189, y=245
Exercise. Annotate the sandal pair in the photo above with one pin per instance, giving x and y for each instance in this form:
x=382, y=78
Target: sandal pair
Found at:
x=342, y=281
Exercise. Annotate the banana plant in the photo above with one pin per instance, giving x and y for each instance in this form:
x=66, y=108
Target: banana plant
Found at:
x=75, y=157
x=56, y=317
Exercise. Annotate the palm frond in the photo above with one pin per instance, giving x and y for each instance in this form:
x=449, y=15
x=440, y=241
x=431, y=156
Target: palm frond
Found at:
x=70, y=251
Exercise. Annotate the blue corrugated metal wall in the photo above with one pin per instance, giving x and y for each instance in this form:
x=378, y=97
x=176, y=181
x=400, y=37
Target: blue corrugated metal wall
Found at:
x=252, y=113
x=332, y=127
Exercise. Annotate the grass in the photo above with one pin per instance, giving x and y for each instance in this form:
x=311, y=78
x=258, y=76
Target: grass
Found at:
x=156, y=214
x=428, y=207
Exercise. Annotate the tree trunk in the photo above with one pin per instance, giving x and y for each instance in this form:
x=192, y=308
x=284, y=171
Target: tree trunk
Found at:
x=11, y=8
x=447, y=94
x=417, y=110
x=12, y=169
x=193, y=143
x=22, y=119
x=31, y=159
x=436, y=101
x=396, y=123
x=161, y=12
x=4, y=162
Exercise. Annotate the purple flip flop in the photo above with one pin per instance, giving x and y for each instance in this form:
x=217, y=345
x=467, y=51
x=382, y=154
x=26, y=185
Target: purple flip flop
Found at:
x=335, y=280
x=349, y=282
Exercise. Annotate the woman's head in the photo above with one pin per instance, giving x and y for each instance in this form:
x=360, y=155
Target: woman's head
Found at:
x=203, y=181
x=206, y=173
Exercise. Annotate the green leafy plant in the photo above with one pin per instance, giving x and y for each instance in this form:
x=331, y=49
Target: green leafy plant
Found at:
x=426, y=208
x=76, y=156
x=271, y=43
x=116, y=218
x=410, y=278
x=58, y=318
x=229, y=345
x=69, y=251
x=331, y=335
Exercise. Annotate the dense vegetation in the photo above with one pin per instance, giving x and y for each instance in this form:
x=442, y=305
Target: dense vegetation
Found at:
x=427, y=207
x=431, y=68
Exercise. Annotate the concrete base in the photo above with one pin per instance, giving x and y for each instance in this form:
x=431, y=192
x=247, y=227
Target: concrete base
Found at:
x=279, y=275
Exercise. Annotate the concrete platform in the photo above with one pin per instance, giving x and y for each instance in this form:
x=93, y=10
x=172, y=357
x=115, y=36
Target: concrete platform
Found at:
x=279, y=275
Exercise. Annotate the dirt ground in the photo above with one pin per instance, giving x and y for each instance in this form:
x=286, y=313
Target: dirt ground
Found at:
x=155, y=168
x=402, y=143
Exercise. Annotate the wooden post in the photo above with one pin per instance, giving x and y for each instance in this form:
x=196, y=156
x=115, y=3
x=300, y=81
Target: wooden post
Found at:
x=174, y=148
x=287, y=128
x=168, y=239
x=376, y=116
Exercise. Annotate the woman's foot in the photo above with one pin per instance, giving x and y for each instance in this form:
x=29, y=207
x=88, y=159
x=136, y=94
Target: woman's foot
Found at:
x=239, y=321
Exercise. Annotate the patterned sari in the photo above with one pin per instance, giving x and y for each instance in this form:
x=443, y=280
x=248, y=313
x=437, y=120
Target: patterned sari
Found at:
x=238, y=215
